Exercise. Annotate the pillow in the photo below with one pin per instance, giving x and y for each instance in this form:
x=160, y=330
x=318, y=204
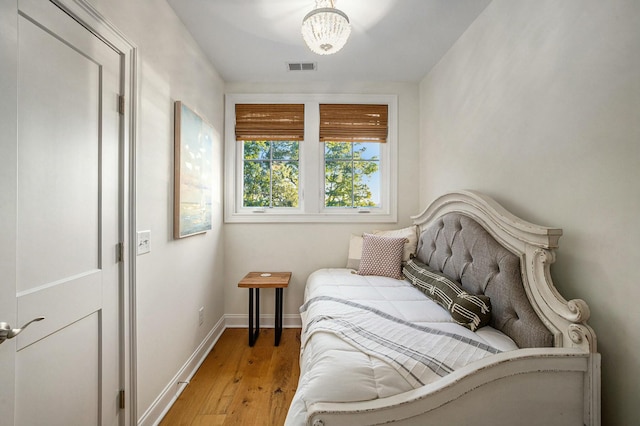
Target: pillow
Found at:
x=355, y=244
x=471, y=310
x=410, y=233
x=382, y=256
x=355, y=252
x=468, y=310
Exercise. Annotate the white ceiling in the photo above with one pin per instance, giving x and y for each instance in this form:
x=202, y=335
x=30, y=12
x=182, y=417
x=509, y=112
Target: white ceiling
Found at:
x=391, y=40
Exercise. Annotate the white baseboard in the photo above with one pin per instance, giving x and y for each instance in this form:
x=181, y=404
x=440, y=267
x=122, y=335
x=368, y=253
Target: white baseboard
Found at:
x=266, y=321
x=172, y=391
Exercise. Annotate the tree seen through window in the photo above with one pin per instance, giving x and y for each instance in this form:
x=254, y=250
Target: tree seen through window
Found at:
x=352, y=176
x=270, y=174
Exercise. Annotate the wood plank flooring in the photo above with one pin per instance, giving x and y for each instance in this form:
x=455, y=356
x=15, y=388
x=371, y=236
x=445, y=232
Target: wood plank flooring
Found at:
x=240, y=385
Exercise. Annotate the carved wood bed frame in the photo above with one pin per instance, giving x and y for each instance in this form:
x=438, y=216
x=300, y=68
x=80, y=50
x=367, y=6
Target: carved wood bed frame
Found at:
x=557, y=385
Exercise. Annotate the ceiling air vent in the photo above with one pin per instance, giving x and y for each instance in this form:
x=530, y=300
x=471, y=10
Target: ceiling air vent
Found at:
x=302, y=66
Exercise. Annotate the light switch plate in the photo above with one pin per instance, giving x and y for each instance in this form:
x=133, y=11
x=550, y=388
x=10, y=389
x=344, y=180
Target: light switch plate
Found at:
x=144, y=242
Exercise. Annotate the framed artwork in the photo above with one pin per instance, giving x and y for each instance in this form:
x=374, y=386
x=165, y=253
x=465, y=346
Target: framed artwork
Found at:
x=193, y=175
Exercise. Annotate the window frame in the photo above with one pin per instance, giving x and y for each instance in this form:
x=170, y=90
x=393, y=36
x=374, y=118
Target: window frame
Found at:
x=311, y=165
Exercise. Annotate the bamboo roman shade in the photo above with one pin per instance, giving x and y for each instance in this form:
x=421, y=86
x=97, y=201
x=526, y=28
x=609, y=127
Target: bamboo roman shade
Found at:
x=353, y=123
x=272, y=122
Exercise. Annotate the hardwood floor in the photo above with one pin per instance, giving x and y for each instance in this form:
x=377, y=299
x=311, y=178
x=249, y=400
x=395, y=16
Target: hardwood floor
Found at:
x=240, y=385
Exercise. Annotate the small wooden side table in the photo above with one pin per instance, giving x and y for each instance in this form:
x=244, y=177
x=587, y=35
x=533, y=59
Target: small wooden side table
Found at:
x=256, y=281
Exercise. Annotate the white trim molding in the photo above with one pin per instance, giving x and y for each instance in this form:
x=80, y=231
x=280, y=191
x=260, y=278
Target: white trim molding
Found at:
x=163, y=403
x=266, y=321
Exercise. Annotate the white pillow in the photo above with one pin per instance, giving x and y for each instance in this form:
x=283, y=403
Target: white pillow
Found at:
x=410, y=233
x=355, y=252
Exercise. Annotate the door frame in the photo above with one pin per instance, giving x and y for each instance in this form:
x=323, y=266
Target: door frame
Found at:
x=96, y=23
x=91, y=19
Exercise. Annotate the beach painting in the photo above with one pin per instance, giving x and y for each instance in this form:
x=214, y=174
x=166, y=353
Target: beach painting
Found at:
x=193, y=178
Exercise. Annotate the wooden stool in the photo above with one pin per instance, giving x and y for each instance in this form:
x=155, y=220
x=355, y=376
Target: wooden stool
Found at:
x=256, y=281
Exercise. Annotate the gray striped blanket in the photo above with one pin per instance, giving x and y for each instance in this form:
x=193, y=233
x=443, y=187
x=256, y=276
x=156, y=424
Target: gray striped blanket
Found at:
x=419, y=353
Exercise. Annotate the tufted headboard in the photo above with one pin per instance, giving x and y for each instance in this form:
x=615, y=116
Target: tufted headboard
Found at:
x=474, y=240
x=461, y=248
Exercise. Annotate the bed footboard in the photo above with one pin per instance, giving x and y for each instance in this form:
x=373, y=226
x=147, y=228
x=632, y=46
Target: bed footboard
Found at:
x=525, y=387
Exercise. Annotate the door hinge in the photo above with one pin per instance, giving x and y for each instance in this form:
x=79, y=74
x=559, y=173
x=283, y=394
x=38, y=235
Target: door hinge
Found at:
x=119, y=252
x=121, y=399
x=121, y=104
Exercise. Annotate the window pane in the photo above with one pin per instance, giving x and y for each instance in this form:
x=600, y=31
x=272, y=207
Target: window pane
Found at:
x=366, y=191
x=256, y=150
x=338, y=182
x=285, y=183
x=350, y=181
x=267, y=180
x=337, y=150
x=256, y=185
x=285, y=150
x=366, y=151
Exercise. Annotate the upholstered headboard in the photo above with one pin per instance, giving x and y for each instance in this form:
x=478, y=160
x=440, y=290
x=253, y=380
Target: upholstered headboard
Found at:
x=474, y=240
x=459, y=247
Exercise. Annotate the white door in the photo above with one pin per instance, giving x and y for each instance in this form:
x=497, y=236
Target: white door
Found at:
x=66, y=367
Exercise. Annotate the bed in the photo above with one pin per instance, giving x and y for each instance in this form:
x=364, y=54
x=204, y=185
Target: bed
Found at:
x=501, y=347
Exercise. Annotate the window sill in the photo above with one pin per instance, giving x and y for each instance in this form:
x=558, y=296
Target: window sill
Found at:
x=310, y=218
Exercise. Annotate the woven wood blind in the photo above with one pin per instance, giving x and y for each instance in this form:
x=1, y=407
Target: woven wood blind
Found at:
x=272, y=122
x=353, y=123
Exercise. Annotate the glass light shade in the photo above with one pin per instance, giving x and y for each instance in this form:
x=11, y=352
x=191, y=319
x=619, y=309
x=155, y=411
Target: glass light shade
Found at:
x=325, y=29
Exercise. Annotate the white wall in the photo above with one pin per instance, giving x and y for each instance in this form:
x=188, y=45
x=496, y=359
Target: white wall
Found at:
x=178, y=276
x=538, y=105
x=303, y=248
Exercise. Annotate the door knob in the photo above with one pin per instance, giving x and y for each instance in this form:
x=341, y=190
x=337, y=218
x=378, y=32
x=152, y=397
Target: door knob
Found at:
x=6, y=332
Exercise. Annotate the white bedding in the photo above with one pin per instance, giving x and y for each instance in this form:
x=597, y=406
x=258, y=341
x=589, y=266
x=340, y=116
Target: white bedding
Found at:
x=333, y=370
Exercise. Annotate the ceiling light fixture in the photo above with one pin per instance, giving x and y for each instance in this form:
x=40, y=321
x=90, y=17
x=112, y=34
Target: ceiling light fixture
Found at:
x=325, y=29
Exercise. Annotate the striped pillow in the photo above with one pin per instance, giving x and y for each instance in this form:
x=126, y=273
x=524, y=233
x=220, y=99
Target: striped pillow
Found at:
x=469, y=310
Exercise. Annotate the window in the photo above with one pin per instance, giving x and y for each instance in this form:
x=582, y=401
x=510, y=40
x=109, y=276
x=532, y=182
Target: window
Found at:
x=270, y=174
x=352, y=134
x=269, y=135
x=310, y=158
